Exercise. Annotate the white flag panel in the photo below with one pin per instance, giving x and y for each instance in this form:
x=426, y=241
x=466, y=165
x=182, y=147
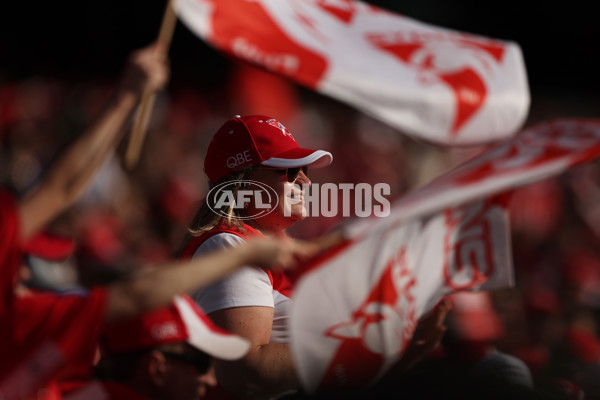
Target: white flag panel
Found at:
x=354, y=315
x=440, y=85
x=355, y=309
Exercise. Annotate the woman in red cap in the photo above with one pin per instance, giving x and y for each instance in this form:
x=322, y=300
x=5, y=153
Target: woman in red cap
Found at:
x=256, y=171
x=48, y=337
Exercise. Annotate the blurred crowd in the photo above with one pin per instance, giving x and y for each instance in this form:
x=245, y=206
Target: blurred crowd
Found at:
x=549, y=320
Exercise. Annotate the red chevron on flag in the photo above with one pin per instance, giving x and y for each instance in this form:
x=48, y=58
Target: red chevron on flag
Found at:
x=467, y=84
x=356, y=306
x=391, y=301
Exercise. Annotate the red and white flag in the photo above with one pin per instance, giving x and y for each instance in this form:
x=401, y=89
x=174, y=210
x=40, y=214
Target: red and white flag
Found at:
x=440, y=85
x=355, y=309
x=353, y=316
x=536, y=153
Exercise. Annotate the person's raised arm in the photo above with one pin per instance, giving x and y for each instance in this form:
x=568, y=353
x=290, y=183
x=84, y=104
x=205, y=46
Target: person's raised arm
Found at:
x=69, y=175
x=156, y=287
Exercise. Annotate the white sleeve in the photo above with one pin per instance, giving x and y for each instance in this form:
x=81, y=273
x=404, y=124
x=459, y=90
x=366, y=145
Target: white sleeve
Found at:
x=248, y=286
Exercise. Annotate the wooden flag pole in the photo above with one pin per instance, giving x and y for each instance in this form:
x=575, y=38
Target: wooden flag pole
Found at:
x=142, y=118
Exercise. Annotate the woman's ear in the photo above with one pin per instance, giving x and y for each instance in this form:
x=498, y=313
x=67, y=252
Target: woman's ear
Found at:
x=156, y=368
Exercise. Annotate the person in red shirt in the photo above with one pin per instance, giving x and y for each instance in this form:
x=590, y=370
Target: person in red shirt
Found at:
x=30, y=320
x=260, y=151
x=50, y=335
x=47, y=334
x=254, y=152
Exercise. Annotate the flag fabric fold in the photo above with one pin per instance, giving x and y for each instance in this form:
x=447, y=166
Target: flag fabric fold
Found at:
x=355, y=308
x=353, y=317
x=436, y=84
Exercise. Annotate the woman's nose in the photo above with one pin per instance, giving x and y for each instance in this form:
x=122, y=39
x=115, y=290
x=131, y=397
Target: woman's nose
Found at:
x=303, y=179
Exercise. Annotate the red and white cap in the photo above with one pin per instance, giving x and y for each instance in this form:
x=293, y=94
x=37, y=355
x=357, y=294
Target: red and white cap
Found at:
x=257, y=139
x=182, y=321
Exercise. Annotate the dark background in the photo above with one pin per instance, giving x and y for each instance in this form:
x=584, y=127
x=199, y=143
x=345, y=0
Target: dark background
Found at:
x=87, y=39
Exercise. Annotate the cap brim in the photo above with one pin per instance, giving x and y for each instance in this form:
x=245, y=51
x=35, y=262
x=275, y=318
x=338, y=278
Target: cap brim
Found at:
x=206, y=336
x=300, y=157
x=50, y=247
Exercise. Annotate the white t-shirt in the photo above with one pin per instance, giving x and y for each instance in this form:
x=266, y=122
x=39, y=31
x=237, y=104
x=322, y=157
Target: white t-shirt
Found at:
x=248, y=286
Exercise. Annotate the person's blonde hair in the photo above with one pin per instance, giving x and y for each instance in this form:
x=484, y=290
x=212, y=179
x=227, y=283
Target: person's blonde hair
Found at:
x=206, y=219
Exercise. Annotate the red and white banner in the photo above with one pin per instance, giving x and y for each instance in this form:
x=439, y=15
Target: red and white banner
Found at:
x=440, y=85
x=536, y=153
x=356, y=308
x=353, y=317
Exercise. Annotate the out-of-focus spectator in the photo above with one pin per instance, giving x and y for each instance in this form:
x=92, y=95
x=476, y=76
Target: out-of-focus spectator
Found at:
x=39, y=340
x=164, y=354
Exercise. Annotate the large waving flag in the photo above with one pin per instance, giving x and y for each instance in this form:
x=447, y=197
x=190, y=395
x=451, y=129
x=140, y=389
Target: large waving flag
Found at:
x=353, y=316
x=437, y=84
x=355, y=309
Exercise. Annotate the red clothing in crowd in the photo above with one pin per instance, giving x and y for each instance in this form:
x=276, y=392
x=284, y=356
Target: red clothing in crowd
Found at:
x=10, y=250
x=116, y=391
x=46, y=336
x=279, y=280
